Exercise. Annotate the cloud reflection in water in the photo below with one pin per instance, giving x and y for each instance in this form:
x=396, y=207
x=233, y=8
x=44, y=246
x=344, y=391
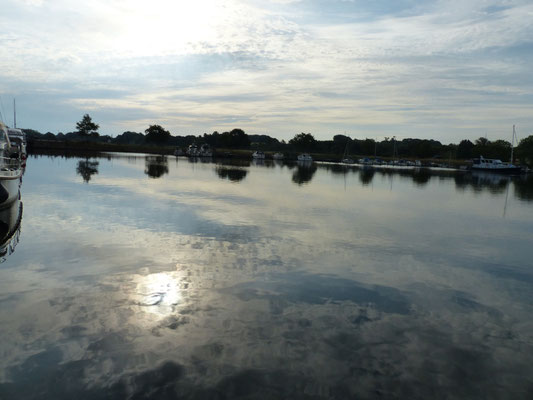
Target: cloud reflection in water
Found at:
x=194, y=287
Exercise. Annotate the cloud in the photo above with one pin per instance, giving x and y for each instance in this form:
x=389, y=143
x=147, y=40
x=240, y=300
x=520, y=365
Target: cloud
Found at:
x=271, y=65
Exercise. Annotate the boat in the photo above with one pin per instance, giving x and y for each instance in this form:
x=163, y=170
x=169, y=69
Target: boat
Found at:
x=258, y=155
x=178, y=152
x=494, y=165
x=345, y=158
x=17, y=139
x=305, y=157
x=10, y=219
x=192, y=150
x=10, y=169
x=278, y=156
x=205, y=151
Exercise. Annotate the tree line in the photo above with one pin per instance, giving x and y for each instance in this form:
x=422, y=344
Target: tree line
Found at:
x=87, y=130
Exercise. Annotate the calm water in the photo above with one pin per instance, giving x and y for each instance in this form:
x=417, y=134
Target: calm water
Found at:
x=155, y=278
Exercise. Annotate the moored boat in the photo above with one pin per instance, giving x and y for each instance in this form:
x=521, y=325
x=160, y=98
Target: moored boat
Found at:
x=10, y=169
x=494, y=165
x=192, y=150
x=17, y=139
x=205, y=151
x=10, y=218
x=305, y=157
x=346, y=159
x=278, y=156
x=258, y=155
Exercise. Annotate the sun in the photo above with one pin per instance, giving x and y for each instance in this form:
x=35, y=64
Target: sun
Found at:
x=166, y=27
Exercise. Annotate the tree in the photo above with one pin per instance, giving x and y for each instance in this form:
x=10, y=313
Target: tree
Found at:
x=482, y=141
x=500, y=149
x=156, y=134
x=86, y=127
x=304, y=141
x=464, y=150
x=524, y=151
x=235, y=139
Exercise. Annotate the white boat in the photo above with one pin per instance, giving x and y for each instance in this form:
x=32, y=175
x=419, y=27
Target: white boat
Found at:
x=348, y=160
x=305, y=157
x=258, y=155
x=494, y=165
x=10, y=170
x=10, y=218
x=193, y=151
x=278, y=156
x=345, y=158
x=18, y=141
x=205, y=151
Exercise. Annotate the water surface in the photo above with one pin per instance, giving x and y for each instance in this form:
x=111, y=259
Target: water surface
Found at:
x=152, y=277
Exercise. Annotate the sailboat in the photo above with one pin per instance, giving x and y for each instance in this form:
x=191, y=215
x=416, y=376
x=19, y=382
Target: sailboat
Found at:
x=17, y=137
x=10, y=169
x=345, y=158
x=494, y=165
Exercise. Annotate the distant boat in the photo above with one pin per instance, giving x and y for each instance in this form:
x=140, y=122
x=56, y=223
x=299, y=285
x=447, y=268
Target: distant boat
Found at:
x=278, y=156
x=193, y=151
x=10, y=169
x=258, y=155
x=305, y=157
x=345, y=158
x=178, y=152
x=205, y=151
x=494, y=165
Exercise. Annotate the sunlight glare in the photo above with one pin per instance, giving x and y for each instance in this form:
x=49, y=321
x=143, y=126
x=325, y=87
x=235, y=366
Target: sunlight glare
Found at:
x=166, y=27
x=159, y=292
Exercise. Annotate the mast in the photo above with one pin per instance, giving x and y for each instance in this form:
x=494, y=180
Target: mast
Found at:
x=14, y=114
x=512, y=144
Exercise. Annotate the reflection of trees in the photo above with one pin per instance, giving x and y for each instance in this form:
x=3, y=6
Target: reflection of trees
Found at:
x=156, y=166
x=235, y=162
x=366, y=175
x=233, y=174
x=338, y=169
x=421, y=176
x=86, y=169
x=304, y=173
x=482, y=181
x=523, y=188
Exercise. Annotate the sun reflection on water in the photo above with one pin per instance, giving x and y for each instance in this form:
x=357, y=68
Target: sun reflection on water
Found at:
x=158, y=293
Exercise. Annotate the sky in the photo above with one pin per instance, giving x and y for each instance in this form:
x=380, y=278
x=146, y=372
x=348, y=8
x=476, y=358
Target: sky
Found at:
x=444, y=70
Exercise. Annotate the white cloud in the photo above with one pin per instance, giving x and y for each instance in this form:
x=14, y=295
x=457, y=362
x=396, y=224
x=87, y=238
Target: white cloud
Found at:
x=392, y=74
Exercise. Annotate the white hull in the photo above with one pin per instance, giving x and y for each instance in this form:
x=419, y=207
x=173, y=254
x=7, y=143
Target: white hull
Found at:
x=9, y=189
x=305, y=157
x=10, y=218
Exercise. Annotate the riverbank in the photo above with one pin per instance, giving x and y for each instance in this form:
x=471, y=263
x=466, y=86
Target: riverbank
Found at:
x=77, y=148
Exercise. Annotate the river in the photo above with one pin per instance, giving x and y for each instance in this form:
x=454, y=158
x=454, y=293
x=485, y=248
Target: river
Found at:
x=149, y=277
